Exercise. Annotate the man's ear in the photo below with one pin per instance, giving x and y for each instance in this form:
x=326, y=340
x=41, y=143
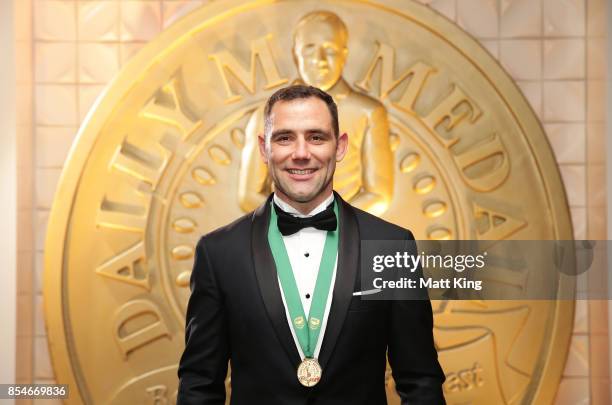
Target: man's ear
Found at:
x=262, y=148
x=341, y=147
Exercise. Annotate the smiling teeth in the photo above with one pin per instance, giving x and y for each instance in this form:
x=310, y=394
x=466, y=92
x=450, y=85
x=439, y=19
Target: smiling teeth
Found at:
x=295, y=171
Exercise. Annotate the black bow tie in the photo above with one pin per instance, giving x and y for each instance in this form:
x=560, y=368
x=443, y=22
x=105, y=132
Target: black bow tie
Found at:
x=288, y=224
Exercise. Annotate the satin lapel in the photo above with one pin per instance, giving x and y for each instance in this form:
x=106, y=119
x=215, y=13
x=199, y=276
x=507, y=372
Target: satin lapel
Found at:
x=265, y=271
x=348, y=260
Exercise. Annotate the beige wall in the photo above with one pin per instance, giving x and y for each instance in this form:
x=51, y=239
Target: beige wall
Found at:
x=8, y=193
x=554, y=49
x=25, y=201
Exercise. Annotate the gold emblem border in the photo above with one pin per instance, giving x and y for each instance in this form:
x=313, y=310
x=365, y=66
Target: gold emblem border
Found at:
x=54, y=282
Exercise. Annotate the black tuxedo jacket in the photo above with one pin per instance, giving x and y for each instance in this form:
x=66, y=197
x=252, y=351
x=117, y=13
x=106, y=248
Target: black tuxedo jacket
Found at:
x=236, y=313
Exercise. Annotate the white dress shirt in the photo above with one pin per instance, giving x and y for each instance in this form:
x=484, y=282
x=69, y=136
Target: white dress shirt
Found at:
x=305, y=249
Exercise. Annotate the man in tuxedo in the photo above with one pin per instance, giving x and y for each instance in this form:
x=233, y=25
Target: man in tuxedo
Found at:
x=274, y=292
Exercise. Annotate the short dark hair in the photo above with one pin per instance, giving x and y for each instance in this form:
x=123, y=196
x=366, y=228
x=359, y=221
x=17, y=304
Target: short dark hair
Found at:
x=300, y=91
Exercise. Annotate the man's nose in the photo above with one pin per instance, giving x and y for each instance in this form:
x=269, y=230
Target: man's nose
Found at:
x=301, y=149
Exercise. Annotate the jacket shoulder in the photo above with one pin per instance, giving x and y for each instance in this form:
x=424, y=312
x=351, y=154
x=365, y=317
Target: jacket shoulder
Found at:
x=230, y=233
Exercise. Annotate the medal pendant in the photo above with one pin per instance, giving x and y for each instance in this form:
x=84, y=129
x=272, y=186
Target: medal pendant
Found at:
x=309, y=372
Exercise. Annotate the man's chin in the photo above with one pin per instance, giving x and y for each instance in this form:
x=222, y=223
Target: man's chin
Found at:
x=302, y=193
x=302, y=198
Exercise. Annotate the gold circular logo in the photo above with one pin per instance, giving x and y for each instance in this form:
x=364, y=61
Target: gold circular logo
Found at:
x=441, y=142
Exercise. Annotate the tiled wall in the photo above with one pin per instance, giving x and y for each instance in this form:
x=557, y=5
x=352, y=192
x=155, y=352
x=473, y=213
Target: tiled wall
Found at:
x=25, y=197
x=596, y=44
x=554, y=49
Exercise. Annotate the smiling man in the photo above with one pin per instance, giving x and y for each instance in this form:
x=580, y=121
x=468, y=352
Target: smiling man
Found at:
x=302, y=146
x=276, y=293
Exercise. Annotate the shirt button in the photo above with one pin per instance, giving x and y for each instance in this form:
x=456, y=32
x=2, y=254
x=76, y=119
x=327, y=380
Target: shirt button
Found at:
x=306, y=254
x=307, y=296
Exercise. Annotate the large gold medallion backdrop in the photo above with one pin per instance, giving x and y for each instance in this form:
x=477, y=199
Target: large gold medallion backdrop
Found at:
x=441, y=142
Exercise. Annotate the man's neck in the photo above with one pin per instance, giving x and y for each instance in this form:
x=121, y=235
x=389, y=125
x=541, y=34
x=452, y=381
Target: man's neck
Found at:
x=306, y=207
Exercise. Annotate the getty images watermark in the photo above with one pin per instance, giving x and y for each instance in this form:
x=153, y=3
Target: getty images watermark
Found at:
x=412, y=262
x=484, y=270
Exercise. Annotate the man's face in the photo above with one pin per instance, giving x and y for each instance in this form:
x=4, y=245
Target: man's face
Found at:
x=320, y=52
x=303, y=150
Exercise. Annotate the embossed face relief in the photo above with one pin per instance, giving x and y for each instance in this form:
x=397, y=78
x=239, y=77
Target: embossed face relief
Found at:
x=320, y=49
x=302, y=151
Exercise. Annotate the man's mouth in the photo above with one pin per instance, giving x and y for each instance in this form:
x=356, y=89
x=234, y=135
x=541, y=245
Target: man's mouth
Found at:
x=301, y=171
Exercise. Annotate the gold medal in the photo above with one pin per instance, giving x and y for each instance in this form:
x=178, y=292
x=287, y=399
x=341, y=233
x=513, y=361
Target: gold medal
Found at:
x=309, y=372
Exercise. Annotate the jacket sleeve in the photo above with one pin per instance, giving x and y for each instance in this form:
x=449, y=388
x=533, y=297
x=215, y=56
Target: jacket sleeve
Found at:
x=412, y=354
x=203, y=365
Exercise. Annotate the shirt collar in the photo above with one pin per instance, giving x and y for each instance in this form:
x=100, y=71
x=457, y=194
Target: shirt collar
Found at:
x=289, y=209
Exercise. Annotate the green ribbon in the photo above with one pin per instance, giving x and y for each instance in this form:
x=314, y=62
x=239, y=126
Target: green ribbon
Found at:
x=307, y=332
